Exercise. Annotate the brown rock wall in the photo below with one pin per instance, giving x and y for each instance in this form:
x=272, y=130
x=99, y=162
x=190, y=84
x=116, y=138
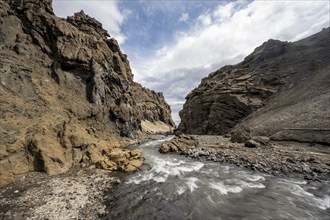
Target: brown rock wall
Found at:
x=67, y=93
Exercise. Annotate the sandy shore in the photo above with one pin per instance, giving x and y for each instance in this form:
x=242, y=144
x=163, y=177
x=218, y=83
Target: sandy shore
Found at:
x=290, y=159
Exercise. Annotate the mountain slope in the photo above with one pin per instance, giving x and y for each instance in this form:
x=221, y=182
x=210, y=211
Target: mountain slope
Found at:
x=280, y=90
x=67, y=94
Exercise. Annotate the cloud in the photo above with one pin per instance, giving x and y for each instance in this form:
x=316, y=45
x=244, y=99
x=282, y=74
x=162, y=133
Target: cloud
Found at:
x=172, y=57
x=176, y=83
x=226, y=35
x=184, y=17
x=227, y=32
x=107, y=12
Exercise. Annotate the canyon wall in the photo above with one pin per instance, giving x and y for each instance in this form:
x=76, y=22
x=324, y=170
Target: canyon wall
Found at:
x=67, y=94
x=281, y=90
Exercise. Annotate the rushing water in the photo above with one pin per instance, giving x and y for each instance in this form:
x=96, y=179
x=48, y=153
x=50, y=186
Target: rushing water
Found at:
x=178, y=187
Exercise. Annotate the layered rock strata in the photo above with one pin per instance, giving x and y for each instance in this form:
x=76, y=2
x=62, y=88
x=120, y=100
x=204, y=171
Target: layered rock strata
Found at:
x=67, y=94
x=281, y=90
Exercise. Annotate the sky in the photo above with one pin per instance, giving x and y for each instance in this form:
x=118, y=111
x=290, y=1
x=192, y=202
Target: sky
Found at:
x=172, y=44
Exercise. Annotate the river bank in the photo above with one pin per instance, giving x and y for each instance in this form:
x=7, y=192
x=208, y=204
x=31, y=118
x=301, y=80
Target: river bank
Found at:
x=77, y=194
x=178, y=187
x=174, y=187
x=279, y=158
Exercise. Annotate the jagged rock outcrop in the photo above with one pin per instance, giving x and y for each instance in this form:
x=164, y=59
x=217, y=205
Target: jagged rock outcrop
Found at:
x=280, y=90
x=67, y=94
x=178, y=144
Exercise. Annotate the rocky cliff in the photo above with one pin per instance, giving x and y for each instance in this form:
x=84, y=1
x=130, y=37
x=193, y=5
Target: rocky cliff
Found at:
x=67, y=94
x=281, y=90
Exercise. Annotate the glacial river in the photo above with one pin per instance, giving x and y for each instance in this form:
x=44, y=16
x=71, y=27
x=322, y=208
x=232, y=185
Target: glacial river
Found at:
x=178, y=187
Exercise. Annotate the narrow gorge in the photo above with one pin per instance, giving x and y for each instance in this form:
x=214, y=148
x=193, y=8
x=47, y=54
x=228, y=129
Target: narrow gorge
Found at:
x=81, y=139
x=268, y=113
x=67, y=95
x=280, y=90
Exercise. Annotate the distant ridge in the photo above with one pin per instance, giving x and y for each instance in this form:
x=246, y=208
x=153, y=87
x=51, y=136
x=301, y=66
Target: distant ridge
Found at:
x=280, y=90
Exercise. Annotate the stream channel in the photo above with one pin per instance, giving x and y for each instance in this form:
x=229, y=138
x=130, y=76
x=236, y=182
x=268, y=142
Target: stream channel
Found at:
x=178, y=187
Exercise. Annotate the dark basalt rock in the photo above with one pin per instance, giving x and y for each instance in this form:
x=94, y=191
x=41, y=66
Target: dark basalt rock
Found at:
x=280, y=91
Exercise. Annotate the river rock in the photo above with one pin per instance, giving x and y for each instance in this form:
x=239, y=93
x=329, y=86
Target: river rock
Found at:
x=145, y=166
x=263, y=140
x=177, y=144
x=6, y=175
x=67, y=93
x=240, y=134
x=252, y=144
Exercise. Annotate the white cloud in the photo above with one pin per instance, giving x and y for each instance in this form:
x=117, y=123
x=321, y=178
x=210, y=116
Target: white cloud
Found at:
x=107, y=12
x=226, y=33
x=224, y=12
x=205, y=19
x=225, y=36
x=219, y=36
x=184, y=17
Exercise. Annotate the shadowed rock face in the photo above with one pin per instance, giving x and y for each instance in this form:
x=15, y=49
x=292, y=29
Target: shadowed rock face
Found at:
x=280, y=90
x=67, y=94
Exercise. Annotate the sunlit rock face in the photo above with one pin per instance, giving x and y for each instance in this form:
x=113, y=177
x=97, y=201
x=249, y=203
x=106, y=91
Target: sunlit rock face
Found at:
x=67, y=94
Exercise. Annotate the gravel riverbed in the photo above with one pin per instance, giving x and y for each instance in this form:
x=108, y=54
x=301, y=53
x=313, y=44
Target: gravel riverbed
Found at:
x=286, y=159
x=78, y=194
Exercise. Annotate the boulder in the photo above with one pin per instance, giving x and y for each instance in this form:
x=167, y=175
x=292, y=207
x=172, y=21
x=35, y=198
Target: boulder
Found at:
x=177, y=144
x=252, y=144
x=240, y=134
x=166, y=147
x=263, y=140
x=6, y=174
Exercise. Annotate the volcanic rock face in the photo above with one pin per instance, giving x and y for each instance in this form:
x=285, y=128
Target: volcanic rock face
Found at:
x=67, y=94
x=280, y=90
